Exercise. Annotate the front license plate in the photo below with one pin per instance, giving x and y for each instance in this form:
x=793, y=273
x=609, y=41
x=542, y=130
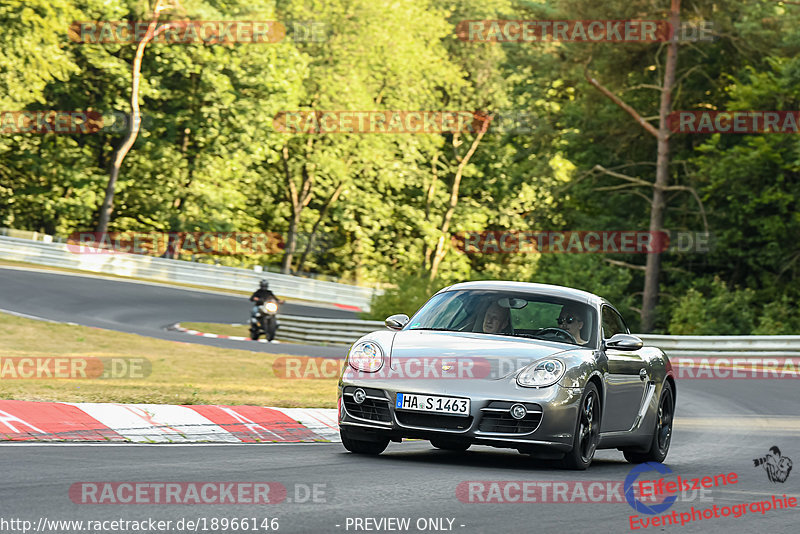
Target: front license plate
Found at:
x=432, y=403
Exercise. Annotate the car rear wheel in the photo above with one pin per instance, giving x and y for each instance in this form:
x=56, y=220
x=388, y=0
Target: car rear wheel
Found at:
x=361, y=446
x=662, y=433
x=447, y=445
x=587, y=431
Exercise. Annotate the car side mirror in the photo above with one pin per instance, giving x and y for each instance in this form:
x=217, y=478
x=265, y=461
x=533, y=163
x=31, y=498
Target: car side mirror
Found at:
x=624, y=342
x=396, y=322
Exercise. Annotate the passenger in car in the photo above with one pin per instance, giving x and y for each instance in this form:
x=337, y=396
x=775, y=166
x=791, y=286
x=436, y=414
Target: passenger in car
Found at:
x=496, y=319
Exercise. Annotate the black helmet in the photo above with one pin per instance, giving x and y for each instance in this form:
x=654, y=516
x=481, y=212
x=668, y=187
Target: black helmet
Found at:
x=264, y=284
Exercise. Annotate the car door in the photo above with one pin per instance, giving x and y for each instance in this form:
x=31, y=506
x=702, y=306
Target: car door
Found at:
x=625, y=384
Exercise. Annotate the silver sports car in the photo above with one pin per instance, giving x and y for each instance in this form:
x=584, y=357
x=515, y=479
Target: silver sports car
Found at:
x=548, y=370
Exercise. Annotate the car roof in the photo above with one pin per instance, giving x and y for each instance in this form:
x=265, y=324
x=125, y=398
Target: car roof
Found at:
x=529, y=287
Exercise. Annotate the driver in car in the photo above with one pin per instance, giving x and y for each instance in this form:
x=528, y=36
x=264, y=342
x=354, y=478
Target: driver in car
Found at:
x=571, y=320
x=496, y=319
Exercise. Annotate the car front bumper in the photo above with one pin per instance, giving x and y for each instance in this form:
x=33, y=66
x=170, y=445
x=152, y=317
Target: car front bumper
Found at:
x=489, y=421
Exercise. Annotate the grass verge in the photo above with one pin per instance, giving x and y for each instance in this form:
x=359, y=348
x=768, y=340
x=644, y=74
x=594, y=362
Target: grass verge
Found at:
x=182, y=373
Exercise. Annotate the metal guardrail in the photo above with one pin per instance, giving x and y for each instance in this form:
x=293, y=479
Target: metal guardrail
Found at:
x=166, y=270
x=27, y=234
x=333, y=331
x=317, y=331
x=725, y=346
x=346, y=331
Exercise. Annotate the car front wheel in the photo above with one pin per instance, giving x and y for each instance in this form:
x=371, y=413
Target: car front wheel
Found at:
x=360, y=446
x=587, y=431
x=662, y=433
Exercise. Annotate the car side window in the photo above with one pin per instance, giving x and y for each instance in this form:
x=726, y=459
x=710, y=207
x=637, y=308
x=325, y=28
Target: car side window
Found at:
x=612, y=323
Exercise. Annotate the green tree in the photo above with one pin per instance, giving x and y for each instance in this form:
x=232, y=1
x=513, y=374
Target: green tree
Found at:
x=716, y=310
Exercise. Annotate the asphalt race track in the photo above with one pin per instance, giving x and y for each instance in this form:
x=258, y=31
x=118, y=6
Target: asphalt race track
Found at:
x=142, y=308
x=713, y=435
x=721, y=426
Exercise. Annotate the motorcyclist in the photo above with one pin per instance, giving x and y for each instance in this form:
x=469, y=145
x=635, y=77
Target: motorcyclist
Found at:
x=263, y=294
x=263, y=324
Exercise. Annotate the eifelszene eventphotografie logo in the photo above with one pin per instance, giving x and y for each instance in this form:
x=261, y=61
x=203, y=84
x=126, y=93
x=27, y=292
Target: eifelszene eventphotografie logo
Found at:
x=630, y=486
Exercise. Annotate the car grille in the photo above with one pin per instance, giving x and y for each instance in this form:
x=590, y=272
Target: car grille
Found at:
x=433, y=421
x=374, y=408
x=496, y=418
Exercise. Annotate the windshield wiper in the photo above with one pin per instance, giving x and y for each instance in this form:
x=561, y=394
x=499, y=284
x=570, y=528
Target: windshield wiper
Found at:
x=531, y=336
x=432, y=328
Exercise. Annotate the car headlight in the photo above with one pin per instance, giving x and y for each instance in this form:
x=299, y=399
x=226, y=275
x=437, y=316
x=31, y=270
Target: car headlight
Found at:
x=541, y=374
x=366, y=356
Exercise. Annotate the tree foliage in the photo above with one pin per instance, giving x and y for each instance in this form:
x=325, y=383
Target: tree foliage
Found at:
x=380, y=209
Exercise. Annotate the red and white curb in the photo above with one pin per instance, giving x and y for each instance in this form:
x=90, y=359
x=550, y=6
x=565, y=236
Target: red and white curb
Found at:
x=163, y=423
x=179, y=328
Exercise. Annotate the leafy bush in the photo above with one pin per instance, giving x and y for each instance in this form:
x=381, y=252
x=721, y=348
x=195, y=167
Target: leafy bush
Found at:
x=778, y=318
x=410, y=293
x=591, y=273
x=714, y=309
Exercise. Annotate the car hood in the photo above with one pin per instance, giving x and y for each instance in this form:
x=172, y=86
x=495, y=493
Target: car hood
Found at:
x=485, y=355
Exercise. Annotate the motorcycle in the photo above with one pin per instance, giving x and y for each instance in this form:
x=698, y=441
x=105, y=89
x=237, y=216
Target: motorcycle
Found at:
x=264, y=320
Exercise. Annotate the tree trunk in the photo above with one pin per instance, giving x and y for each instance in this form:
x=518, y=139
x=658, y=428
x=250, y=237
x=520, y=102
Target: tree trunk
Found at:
x=426, y=251
x=322, y=214
x=175, y=240
x=661, y=185
x=653, y=265
x=441, y=251
x=291, y=244
x=107, y=207
x=298, y=201
x=108, y=201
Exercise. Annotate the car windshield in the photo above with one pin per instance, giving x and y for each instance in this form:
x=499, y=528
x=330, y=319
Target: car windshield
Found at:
x=519, y=314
